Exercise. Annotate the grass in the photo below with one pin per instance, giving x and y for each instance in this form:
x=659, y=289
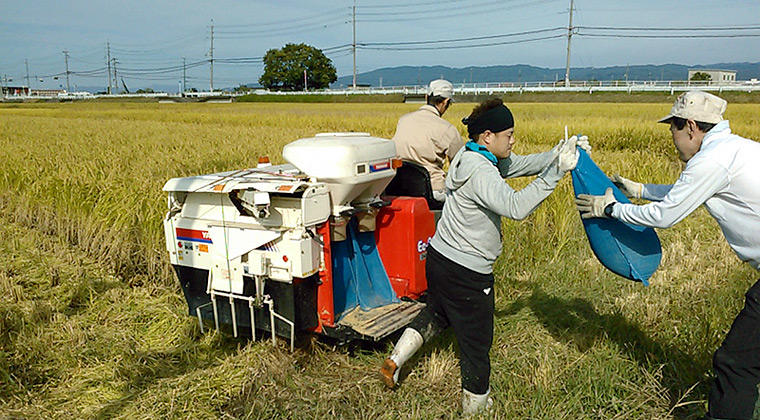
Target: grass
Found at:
x=93, y=324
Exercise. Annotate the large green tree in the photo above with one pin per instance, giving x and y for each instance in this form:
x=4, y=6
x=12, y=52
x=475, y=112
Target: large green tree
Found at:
x=284, y=68
x=701, y=76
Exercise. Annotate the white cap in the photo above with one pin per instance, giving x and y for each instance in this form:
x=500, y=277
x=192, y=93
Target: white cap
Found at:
x=442, y=88
x=698, y=106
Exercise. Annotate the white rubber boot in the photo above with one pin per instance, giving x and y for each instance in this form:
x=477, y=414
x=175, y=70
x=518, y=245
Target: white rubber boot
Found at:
x=475, y=403
x=407, y=345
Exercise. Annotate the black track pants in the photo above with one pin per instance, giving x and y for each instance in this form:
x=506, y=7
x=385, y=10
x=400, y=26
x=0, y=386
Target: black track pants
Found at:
x=737, y=364
x=463, y=300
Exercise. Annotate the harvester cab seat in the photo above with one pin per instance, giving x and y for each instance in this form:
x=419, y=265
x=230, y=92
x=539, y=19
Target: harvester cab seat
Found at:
x=413, y=180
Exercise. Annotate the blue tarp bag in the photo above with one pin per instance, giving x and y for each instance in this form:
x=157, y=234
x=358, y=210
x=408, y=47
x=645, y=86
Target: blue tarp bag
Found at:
x=631, y=251
x=359, y=277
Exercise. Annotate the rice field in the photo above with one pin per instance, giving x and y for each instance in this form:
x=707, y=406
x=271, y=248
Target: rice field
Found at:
x=93, y=323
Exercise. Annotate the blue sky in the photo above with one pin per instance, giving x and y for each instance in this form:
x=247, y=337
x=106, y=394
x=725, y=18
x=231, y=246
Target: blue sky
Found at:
x=150, y=39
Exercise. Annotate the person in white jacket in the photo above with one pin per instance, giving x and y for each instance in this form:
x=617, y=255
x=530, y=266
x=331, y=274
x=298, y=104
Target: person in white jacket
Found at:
x=467, y=241
x=722, y=172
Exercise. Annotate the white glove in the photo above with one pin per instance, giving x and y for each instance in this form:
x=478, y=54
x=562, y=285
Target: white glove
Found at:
x=631, y=189
x=581, y=142
x=567, y=155
x=594, y=205
x=584, y=144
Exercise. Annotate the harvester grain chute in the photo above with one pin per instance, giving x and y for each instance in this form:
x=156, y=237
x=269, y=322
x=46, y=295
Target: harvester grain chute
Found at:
x=307, y=246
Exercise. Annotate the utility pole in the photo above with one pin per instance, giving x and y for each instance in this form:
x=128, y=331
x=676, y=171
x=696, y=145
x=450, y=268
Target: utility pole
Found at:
x=115, y=78
x=28, y=86
x=108, y=62
x=569, y=35
x=305, y=82
x=353, y=44
x=211, y=53
x=66, y=58
x=184, y=75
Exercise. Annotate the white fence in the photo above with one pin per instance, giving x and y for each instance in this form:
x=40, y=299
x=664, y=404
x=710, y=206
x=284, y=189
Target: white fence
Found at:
x=461, y=89
x=589, y=86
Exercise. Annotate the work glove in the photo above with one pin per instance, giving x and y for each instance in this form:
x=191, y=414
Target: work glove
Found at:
x=567, y=155
x=631, y=189
x=584, y=144
x=593, y=205
x=581, y=142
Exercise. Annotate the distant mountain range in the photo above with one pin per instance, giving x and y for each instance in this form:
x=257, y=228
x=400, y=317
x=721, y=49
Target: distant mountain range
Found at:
x=422, y=75
x=413, y=75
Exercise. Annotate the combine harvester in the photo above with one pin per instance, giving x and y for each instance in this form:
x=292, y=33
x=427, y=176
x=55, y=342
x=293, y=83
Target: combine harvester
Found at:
x=308, y=246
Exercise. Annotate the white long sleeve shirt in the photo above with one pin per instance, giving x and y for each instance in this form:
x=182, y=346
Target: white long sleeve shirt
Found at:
x=724, y=175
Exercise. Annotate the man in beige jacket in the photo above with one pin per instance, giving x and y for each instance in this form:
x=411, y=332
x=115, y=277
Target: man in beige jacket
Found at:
x=424, y=137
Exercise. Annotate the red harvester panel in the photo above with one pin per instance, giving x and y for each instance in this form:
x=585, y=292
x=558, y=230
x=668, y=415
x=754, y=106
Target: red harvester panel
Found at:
x=404, y=229
x=325, y=299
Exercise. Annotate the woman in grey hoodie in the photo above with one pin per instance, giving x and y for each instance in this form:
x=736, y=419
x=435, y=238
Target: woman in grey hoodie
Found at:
x=460, y=258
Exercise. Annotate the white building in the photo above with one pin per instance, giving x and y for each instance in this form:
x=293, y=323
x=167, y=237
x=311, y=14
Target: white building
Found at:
x=717, y=77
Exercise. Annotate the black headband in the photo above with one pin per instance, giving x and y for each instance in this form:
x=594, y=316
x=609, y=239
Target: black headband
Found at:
x=496, y=119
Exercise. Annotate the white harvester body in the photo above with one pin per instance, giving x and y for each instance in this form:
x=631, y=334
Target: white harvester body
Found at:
x=256, y=239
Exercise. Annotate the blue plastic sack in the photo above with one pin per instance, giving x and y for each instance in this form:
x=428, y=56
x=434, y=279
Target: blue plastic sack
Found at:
x=359, y=277
x=631, y=251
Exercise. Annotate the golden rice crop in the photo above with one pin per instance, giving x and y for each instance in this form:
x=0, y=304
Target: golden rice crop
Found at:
x=93, y=325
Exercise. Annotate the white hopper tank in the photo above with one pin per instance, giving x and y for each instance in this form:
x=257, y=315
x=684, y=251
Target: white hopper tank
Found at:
x=355, y=166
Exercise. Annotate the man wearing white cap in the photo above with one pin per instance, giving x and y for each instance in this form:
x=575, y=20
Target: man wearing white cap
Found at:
x=424, y=137
x=723, y=173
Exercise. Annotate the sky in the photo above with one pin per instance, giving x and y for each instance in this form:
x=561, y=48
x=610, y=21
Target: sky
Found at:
x=151, y=42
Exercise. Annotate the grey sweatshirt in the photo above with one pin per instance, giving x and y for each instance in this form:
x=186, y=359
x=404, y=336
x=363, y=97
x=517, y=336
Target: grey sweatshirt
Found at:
x=469, y=231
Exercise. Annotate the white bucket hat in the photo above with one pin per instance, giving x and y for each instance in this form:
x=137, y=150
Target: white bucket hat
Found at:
x=698, y=106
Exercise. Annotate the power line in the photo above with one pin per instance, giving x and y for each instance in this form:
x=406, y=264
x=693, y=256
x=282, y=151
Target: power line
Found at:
x=658, y=29
x=668, y=33
x=289, y=21
x=474, y=38
x=399, y=5
x=437, y=13
x=160, y=70
x=142, y=47
x=307, y=25
x=588, y=35
x=453, y=47
x=288, y=31
x=436, y=6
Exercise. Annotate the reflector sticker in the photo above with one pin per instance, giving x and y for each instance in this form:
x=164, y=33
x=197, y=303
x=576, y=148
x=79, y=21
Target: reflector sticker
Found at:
x=284, y=188
x=193, y=235
x=381, y=166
